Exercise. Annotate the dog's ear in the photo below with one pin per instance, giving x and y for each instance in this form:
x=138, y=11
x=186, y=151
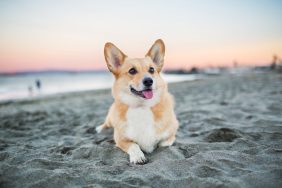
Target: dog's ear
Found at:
x=156, y=53
x=114, y=57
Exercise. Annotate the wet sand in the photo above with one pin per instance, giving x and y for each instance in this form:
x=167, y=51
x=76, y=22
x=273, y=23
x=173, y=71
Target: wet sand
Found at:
x=230, y=135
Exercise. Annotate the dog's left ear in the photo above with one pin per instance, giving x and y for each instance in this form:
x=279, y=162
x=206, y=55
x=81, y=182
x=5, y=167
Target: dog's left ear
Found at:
x=156, y=53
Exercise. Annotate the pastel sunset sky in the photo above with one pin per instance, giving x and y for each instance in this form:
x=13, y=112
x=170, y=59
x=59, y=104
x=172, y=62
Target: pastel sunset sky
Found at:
x=40, y=35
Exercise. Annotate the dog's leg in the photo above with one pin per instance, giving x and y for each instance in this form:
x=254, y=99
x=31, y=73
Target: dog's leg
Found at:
x=103, y=126
x=136, y=156
x=167, y=142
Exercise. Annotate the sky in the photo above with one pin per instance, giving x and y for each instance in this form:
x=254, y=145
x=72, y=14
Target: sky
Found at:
x=66, y=34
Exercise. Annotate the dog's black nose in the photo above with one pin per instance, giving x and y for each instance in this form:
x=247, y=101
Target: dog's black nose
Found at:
x=147, y=82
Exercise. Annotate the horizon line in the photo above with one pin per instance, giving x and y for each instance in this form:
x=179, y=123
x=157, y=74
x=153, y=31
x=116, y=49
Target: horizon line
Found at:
x=30, y=71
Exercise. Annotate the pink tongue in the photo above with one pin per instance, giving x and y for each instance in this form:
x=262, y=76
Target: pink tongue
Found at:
x=148, y=94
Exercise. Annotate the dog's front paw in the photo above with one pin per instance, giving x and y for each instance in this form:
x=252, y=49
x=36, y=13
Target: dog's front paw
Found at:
x=137, y=159
x=99, y=128
x=136, y=156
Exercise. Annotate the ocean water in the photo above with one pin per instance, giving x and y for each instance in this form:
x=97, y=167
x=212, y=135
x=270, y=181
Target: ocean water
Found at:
x=24, y=85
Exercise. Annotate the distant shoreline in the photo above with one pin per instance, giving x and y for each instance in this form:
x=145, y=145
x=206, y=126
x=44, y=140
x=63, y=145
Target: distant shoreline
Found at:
x=22, y=87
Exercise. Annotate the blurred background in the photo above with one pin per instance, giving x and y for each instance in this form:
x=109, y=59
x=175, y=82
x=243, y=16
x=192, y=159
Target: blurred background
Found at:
x=48, y=47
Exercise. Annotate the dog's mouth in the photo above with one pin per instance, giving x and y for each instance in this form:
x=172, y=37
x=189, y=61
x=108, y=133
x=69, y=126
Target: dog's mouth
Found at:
x=146, y=94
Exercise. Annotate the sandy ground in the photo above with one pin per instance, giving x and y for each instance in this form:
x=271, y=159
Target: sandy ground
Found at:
x=230, y=136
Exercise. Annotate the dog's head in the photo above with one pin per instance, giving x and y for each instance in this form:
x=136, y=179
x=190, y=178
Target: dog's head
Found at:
x=138, y=81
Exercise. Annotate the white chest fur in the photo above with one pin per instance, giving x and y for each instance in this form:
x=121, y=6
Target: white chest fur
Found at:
x=140, y=128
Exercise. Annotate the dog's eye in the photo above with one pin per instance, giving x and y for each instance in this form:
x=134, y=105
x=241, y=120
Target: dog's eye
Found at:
x=151, y=70
x=132, y=71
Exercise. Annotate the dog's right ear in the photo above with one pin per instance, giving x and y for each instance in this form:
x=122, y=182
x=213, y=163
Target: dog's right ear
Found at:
x=156, y=53
x=114, y=57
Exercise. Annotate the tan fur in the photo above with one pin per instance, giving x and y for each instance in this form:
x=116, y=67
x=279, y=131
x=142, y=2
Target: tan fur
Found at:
x=165, y=122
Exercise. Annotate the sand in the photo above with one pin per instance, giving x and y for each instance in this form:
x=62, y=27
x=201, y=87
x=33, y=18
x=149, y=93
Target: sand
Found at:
x=230, y=135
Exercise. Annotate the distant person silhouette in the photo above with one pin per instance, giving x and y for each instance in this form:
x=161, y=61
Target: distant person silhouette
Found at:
x=274, y=62
x=38, y=84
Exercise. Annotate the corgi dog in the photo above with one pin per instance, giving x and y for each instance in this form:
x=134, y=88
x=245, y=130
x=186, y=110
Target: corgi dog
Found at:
x=142, y=114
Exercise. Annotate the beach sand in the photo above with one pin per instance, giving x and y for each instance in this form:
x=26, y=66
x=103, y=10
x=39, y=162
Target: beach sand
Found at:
x=230, y=135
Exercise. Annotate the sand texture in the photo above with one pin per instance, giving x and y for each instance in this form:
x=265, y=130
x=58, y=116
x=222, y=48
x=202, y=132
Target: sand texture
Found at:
x=230, y=135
